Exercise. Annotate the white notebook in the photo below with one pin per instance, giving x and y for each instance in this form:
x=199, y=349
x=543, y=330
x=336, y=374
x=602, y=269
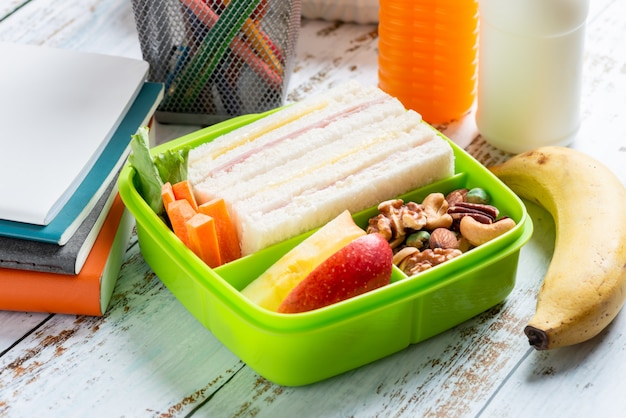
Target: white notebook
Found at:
x=58, y=110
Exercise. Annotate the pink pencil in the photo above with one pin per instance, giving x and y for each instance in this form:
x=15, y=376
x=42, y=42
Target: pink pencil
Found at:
x=208, y=17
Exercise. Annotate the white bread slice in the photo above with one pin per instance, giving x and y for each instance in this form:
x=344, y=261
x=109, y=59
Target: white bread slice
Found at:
x=300, y=152
x=379, y=182
x=222, y=152
x=298, y=168
x=323, y=164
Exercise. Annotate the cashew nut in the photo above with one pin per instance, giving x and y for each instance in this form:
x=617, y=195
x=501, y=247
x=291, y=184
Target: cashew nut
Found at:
x=403, y=254
x=436, y=209
x=478, y=233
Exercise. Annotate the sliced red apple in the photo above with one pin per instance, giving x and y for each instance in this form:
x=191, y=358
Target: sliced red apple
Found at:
x=361, y=266
x=271, y=287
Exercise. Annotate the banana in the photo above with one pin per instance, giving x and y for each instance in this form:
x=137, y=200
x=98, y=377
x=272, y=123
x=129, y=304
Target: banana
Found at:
x=584, y=287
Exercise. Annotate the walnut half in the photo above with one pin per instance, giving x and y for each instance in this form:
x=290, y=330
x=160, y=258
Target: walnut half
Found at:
x=395, y=219
x=424, y=260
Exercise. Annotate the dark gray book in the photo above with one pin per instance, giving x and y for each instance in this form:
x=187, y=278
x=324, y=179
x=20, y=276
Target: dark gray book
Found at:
x=68, y=259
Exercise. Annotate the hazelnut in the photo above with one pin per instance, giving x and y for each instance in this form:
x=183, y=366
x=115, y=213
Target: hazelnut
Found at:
x=443, y=238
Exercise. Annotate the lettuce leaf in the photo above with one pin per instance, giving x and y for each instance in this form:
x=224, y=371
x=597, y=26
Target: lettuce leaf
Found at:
x=153, y=172
x=172, y=165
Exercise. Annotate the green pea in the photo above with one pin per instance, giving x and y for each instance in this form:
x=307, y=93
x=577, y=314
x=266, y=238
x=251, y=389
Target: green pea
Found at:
x=478, y=195
x=418, y=239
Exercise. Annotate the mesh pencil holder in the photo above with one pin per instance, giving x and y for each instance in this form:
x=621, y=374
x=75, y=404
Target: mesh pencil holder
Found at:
x=218, y=58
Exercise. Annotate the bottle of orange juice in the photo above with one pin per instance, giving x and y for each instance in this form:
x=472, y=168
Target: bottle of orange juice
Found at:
x=428, y=55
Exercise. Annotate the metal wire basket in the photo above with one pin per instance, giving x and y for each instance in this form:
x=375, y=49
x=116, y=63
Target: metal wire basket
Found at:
x=218, y=58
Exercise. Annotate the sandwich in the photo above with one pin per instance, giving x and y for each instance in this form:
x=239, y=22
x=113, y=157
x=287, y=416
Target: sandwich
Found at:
x=296, y=169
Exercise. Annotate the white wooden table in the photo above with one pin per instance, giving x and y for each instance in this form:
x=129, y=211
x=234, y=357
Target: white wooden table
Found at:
x=148, y=357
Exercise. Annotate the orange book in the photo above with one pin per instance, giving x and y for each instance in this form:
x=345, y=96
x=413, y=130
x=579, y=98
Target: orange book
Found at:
x=86, y=293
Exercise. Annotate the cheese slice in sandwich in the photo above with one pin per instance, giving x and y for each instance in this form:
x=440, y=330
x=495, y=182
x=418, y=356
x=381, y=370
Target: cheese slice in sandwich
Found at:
x=294, y=170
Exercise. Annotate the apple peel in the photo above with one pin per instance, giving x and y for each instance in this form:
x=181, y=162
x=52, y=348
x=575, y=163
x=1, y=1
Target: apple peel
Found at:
x=271, y=287
x=363, y=265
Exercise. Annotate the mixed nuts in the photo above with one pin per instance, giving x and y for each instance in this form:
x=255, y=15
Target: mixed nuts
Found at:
x=442, y=227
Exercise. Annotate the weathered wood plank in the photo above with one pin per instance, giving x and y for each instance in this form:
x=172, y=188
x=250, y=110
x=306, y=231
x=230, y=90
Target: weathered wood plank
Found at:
x=95, y=26
x=16, y=325
x=8, y=7
x=603, y=131
x=581, y=381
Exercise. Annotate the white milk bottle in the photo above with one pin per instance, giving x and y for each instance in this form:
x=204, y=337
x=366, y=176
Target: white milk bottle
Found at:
x=530, y=72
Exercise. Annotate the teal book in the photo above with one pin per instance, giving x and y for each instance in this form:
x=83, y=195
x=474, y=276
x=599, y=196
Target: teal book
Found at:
x=95, y=183
x=24, y=254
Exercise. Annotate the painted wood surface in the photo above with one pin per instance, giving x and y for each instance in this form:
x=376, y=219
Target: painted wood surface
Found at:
x=148, y=357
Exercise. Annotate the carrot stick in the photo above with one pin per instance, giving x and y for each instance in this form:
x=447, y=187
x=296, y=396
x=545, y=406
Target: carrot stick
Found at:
x=184, y=190
x=226, y=232
x=203, y=239
x=167, y=194
x=179, y=212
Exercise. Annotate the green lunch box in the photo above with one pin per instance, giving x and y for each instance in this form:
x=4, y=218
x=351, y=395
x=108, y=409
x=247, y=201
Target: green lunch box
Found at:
x=299, y=349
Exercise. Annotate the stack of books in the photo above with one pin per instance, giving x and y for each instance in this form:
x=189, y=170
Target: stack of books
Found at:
x=67, y=118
